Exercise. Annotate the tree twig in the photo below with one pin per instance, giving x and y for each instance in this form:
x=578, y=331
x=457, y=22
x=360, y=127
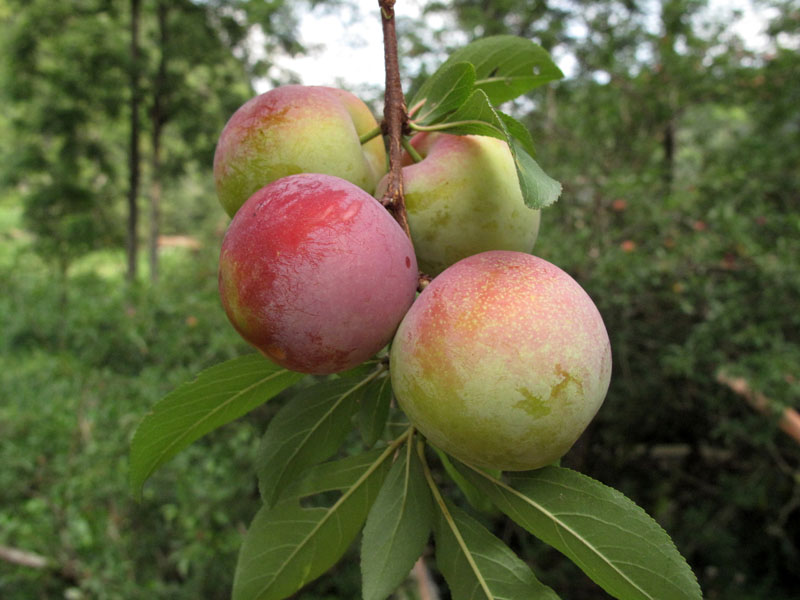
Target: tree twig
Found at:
x=425, y=585
x=23, y=558
x=395, y=118
x=789, y=418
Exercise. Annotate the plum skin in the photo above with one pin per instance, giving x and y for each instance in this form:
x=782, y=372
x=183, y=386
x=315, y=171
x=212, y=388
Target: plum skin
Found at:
x=315, y=273
x=464, y=198
x=296, y=129
x=502, y=361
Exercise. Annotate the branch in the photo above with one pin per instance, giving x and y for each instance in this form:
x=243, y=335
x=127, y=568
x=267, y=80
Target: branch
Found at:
x=395, y=118
x=789, y=420
x=23, y=558
x=425, y=584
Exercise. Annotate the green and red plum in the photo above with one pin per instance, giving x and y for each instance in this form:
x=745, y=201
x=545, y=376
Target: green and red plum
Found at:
x=463, y=198
x=502, y=361
x=315, y=273
x=296, y=129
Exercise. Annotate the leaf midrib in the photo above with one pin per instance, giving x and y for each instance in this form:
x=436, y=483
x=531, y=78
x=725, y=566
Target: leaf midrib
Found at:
x=331, y=511
x=565, y=527
x=322, y=419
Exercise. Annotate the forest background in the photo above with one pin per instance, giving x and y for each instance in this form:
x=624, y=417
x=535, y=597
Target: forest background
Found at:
x=678, y=144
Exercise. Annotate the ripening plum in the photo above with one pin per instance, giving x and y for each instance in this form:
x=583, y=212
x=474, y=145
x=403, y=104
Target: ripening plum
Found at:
x=502, y=361
x=315, y=273
x=296, y=129
x=464, y=198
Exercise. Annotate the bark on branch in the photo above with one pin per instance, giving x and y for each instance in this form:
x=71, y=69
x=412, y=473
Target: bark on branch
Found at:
x=395, y=117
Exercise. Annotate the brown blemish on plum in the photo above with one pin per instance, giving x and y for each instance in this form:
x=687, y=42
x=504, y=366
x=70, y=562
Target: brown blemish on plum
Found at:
x=561, y=387
x=408, y=262
x=275, y=352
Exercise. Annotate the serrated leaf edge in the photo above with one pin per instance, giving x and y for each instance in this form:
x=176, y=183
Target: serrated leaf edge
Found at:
x=187, y=432
x=560, y=524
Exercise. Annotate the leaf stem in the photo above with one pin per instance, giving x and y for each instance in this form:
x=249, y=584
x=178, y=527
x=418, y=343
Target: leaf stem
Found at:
x=450, y=125
x=416, y=107
x=412, y=152
x=450, y=521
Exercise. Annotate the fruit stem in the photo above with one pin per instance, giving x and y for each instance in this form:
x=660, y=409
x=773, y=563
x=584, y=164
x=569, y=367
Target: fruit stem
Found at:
x=370, y=135
x=395, y=118
x=412, y=152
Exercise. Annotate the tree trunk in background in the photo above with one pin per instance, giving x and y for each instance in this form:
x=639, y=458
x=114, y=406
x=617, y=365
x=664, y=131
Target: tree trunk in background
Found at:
x=668, y=145
x=133, y=158
x=158, y=120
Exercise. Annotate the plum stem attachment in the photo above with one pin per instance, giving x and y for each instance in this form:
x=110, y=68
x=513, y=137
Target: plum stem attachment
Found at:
x=370, y=135
x=395, y=118
x=412, y=152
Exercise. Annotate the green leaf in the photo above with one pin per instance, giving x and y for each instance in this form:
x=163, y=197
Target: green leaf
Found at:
x=478, y=117
x=477, y=499
x=397, y=528
x=608, y=536
x=538, y=188
x=443, y=92
x=374, y=409
x=517, y=131
x=217, y=396
x=332, y=475
x=288, y=545
x=506, y=66
x=307, y=430
x=477, y=565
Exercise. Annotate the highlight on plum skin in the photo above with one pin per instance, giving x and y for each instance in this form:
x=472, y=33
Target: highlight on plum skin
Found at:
x=502, y=361
x=316, y=274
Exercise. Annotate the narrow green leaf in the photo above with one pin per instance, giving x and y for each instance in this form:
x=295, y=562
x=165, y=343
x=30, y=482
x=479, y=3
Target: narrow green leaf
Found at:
x=287, y=545
x=217, y=396
x=477, y=565
x=374, y=409
x=307, y=430
x=332, y=475
x=397, y=528
x=444, y=92
x=506, y=66
x=608, y=536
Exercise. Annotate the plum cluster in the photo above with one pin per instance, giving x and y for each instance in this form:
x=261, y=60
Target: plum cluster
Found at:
x=502, y=361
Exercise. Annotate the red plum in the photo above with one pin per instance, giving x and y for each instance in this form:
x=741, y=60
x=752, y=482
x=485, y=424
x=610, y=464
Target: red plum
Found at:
x=315, y=273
